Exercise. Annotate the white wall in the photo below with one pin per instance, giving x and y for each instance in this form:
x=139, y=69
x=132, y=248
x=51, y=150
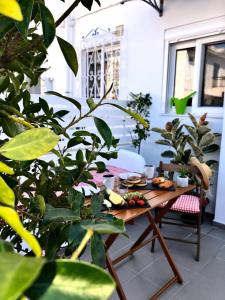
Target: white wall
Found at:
x=143, y=48
x=220, y=197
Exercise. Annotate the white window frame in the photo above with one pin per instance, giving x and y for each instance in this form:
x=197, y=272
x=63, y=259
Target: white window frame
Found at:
x=183, y=38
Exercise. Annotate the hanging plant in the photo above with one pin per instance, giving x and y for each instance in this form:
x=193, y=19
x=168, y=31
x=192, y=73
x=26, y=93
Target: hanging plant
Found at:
x=140, y=104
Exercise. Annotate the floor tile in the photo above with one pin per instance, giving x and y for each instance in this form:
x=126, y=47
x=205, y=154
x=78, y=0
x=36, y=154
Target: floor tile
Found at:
x=200, y=288
x=218, y=233
x=125, y=274
x=159, y=272
x=139, y=289
x=184, y=254
x=139, y=260
x=215, y=270
x=221, y=253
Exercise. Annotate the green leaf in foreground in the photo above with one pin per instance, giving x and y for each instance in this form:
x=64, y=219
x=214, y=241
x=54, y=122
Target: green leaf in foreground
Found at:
x=6, y=194
x=30, y=144
x=134, y=115
x=69, y=54
x=48, y=25
x=11, y=217
x=17, y=273
x=64, y=214
x=116, y=226
x=104, y=130
x=67, y=280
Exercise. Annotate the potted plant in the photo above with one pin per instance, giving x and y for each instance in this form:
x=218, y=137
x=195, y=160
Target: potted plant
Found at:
x=181, y=103
x=182, y=178
x=140, y=104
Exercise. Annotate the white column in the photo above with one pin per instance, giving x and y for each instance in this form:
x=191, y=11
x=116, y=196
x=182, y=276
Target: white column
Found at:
x=220, y=195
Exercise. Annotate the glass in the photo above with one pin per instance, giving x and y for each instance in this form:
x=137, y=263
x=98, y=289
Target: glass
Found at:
x=122, y=190
x=184, y=73
x=149, y=171
x=213, y=75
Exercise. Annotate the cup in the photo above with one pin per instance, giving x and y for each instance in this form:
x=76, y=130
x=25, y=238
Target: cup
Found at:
x=149, y=171
x=109, y=181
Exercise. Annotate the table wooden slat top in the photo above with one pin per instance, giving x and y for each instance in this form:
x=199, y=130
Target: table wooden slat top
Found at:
x=155, y=198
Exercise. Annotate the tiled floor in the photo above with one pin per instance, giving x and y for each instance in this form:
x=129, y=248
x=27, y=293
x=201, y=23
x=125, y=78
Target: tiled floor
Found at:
x=142, y=273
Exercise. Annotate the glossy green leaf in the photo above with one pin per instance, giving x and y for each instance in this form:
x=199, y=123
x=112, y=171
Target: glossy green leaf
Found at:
x=60, y=214
x=67, y=280
x=163, y=142
x=7, y=196
x=11, y=9
x=115, y=226
x=98, y=250
x=48, y=25
x=211, y=148
x=169, y=154
x=26, y=7
x=159, y=130
x=5, y=247
x=10, y=127
x=30, y=144
x=134, y=115
x=104, y=131
x=90, y=102
x=69, y=54
x=17, y=273
x=11, y=217
x=5, y=169
x=71, y=100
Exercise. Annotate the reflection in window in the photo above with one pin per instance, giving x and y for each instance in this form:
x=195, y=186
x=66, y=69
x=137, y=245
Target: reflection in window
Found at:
x=184, y=72
x=214, y=75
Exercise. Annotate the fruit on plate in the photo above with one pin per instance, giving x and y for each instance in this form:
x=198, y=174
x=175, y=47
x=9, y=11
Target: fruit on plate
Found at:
x=135, y=199
x=115, y=198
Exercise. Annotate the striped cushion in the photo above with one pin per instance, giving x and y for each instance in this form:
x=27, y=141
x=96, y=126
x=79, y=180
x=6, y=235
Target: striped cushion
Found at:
x=186, y=204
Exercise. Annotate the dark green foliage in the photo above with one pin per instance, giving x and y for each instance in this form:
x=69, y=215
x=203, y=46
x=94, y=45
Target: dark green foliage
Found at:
x=140, y=104
x=196, y=140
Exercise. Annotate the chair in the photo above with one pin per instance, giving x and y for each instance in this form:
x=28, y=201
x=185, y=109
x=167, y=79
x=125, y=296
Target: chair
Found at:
x=128, y=160
x=185, y=204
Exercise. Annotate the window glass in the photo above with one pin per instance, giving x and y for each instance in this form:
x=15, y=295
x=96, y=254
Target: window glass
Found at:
x=213, y=75
x=102, y=69
x=184, y=72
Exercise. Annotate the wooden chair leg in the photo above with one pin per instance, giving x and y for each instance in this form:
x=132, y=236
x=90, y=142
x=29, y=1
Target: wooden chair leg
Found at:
x=153, y=244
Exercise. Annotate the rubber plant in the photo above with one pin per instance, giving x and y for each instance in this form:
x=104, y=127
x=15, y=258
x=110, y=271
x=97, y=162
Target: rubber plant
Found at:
x=37, y=200
x=197, y=140
x=140, y=104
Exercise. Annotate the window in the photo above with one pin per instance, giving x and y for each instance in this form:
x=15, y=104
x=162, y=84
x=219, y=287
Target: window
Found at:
x=213, y=75
x=197, y=65
x=102, y=68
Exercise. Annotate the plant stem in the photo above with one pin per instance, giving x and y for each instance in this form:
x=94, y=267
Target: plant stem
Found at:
x=83, y=243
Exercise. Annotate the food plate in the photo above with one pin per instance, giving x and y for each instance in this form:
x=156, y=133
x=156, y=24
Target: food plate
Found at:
x=124, y=176
x=88, y=190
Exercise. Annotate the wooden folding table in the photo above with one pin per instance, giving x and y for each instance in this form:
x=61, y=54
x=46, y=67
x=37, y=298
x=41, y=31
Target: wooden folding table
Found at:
x=155, y=198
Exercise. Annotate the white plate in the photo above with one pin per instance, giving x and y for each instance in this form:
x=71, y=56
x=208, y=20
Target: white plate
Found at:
x=88, y=190
x=124, y=176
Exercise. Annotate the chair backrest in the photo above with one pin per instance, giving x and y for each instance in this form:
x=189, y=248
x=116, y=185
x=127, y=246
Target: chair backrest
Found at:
x=129, y=160
x=171, y=168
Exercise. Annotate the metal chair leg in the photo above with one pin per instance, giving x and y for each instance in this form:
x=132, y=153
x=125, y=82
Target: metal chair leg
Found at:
x=198, y=238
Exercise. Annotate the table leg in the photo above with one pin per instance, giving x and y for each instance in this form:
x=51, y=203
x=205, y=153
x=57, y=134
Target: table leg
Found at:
x=108, y=243
x=112, y=271
x=165, y=249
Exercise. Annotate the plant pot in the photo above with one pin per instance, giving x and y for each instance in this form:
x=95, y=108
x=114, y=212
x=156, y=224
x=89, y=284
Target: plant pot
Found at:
x=182, y=181
x=180, y=106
